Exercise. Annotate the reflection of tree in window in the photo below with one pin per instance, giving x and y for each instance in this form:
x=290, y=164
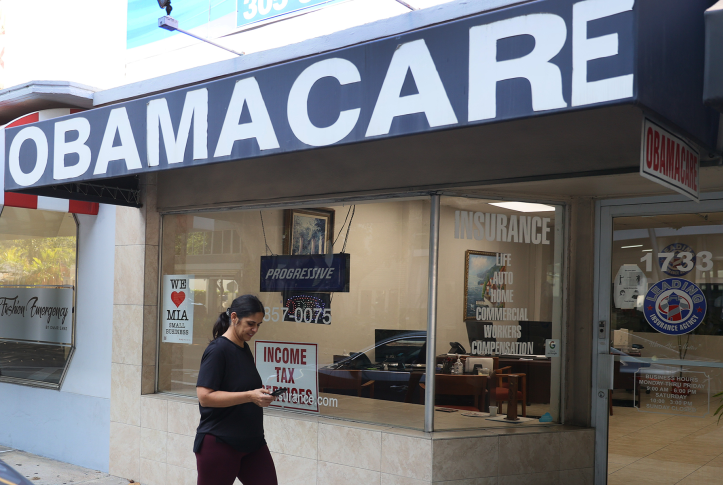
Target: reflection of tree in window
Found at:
x=207, y=242
x=38, y=261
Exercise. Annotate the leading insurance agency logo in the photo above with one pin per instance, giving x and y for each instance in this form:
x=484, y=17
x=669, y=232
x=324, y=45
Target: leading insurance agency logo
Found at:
x=674, y=306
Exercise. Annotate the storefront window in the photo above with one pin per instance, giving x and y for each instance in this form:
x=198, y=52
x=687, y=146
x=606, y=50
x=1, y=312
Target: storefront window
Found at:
x=38, y=251
x=345, y=289
x=499, y=303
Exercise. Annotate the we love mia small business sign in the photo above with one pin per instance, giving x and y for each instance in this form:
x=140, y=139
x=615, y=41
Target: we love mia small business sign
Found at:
x=177, y=311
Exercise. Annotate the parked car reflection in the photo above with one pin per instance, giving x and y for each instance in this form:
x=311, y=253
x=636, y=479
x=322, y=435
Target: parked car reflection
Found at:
x=390, y=370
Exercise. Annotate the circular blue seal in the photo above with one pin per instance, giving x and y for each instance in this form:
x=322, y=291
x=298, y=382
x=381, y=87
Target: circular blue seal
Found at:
x=674, y=306
x=682, y=262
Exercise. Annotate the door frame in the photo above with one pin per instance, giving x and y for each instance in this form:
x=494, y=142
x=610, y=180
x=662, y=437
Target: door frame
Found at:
x=605, y=211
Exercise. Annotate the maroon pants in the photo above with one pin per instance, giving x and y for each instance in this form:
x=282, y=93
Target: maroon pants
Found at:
x=219, y=464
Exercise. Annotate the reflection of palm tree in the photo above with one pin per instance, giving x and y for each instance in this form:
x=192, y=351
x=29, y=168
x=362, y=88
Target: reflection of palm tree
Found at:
x=37, y=261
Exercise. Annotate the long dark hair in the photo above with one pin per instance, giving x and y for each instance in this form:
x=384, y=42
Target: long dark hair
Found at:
x=243, y=306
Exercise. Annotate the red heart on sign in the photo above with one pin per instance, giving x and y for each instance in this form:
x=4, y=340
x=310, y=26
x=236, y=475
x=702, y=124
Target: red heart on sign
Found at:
x=177, y=297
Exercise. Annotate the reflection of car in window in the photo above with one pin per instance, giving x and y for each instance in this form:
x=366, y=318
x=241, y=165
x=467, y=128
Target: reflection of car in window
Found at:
x=382, y=371
x=404, y=350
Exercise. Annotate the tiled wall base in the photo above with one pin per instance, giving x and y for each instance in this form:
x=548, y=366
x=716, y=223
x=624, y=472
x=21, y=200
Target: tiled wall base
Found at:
x=311, y=450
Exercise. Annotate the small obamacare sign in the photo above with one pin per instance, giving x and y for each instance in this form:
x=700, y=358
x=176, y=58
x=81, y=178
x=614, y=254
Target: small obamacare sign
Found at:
x=674, y=306
x=669, y=160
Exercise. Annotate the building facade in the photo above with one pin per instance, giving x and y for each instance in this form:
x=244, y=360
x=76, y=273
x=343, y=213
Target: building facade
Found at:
x=507, y=208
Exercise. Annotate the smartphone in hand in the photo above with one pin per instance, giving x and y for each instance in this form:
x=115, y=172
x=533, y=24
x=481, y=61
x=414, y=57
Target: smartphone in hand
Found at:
x=279, y=392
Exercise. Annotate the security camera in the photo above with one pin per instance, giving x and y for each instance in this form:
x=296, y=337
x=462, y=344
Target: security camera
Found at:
x=165, y=4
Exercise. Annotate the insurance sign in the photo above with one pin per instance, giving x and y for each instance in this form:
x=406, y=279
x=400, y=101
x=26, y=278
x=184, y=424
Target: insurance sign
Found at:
x=669, y=160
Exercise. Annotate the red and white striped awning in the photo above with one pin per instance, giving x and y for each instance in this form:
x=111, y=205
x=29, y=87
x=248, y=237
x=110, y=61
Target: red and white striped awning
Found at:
x=27, y=201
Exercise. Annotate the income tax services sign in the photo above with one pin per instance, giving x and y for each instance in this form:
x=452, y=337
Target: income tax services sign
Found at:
x=293, y=366
x=669, y=160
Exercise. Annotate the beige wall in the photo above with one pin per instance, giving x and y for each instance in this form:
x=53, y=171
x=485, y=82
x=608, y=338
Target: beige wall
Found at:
x=310, y=450
x=579, y=301
x=134, y=329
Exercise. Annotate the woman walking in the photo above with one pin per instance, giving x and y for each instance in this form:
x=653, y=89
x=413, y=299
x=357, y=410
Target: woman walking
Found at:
x=230, y=438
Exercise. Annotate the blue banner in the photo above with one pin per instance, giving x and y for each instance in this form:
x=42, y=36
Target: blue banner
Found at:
x=142, y=24
x=250, y=11
x=309, y=272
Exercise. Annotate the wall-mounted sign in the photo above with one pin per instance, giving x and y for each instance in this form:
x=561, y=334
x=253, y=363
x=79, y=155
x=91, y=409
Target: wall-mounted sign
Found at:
x=177, y=311
x=674, y=306
x=669, y=160
x=630, y=283
x=210, y=19
x=37, y=314
x=293, y=366
x=455, y=68
x=309, y=272
x=251, y=11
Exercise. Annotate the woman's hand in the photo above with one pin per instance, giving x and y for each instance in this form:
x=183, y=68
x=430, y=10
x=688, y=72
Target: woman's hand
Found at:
x=224, y=399
x=261, y=397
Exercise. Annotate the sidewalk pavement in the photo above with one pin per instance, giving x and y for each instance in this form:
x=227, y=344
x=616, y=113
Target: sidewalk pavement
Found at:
x=45, y=471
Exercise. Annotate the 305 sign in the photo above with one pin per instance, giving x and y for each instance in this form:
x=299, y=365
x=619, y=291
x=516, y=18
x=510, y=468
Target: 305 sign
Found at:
x=258, y=10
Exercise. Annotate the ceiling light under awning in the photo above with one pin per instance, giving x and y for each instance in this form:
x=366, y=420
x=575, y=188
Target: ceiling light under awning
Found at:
x=523, y=206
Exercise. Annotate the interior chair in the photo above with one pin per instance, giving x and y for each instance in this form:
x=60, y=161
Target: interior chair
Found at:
x=344, y=380
x=502, y=391
x=501, y=379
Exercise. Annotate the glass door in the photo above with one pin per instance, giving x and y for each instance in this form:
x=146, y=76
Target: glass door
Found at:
x=660, y=345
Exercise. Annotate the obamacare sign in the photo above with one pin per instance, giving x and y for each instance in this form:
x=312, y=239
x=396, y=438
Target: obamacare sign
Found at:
x=533, y=59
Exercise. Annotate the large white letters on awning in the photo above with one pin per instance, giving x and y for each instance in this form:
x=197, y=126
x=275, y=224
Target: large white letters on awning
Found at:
x=416, y=82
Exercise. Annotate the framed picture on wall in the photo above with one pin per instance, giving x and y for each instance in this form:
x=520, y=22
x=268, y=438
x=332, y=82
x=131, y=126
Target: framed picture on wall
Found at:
x=480, y=283
x=308, y=231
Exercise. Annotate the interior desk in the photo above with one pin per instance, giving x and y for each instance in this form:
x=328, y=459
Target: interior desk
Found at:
x=538, y=373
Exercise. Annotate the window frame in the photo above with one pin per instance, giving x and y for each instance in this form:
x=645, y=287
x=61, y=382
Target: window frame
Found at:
x=47, y=385
x=434, y=198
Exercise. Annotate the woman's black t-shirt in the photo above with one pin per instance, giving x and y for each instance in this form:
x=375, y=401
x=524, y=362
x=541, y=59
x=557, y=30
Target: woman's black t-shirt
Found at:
x=227, y=367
